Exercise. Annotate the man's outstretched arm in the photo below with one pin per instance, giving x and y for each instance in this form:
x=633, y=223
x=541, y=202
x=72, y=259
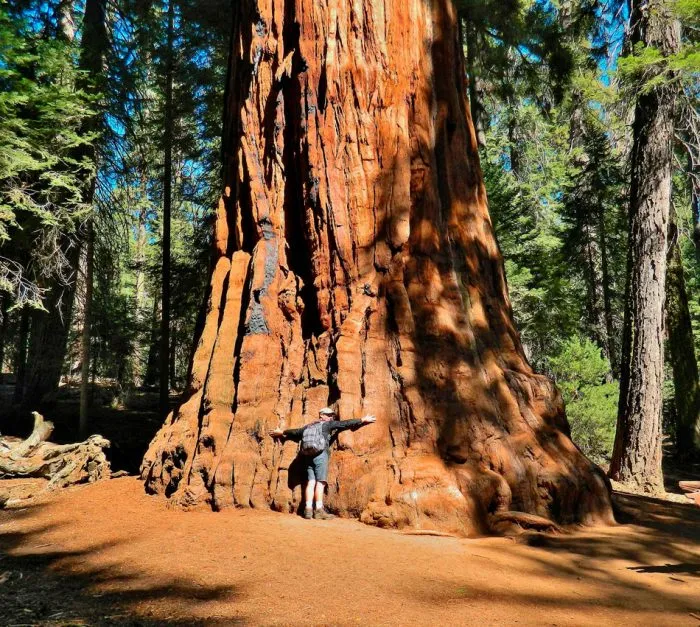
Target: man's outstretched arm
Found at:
x=288, y=434
x=341, y=425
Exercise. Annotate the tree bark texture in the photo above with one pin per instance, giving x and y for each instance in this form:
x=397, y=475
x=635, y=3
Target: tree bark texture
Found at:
x=637, y=452
x=681, y=350
x=356, y=265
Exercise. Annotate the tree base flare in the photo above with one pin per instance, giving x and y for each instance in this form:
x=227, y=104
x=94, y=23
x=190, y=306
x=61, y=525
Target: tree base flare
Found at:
x=355, y=265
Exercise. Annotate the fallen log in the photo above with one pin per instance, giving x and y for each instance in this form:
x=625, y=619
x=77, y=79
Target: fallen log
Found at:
x=61, y=464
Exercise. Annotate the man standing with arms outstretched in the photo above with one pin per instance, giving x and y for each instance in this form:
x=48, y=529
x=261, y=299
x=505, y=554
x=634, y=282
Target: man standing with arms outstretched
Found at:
x=314, y=452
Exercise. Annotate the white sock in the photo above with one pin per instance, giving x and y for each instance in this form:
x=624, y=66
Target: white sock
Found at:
x=319, y=505
x=309, y=504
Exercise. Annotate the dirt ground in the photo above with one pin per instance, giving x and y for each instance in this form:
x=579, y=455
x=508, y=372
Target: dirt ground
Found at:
x=108, y=554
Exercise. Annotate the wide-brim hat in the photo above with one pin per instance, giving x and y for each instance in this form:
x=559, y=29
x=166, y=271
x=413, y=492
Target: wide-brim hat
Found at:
x=327, y=411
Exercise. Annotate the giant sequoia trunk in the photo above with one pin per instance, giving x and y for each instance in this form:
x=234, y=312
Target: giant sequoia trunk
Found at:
x=637, y=452
x=356, y=265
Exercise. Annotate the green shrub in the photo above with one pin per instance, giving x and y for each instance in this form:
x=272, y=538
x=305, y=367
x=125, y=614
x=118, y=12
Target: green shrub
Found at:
x=582, y=374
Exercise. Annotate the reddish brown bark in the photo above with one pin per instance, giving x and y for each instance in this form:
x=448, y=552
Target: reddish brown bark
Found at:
x=356, y=265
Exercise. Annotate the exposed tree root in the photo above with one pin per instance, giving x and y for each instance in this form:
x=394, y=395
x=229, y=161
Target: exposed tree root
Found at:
x=507, y=522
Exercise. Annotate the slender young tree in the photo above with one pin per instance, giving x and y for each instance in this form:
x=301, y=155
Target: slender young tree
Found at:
x=169, y=121
x=637, y=452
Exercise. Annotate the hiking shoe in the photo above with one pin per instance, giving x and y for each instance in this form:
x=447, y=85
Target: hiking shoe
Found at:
x=322, y=514
x=308, y=513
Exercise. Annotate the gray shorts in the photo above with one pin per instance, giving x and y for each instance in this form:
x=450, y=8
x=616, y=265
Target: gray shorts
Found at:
x=317, y=467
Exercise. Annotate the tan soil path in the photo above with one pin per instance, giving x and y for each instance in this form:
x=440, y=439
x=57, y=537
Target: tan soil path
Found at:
x=109, y=554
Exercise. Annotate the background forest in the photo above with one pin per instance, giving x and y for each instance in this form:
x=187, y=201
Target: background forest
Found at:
x=110, y=125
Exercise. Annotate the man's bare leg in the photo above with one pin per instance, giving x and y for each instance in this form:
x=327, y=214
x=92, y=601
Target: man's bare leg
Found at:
x=309, y=497
x=321, y=513
x=318, y=494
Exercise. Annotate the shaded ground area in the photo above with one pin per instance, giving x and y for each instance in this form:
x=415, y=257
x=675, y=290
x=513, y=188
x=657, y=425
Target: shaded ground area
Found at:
x=108, y=554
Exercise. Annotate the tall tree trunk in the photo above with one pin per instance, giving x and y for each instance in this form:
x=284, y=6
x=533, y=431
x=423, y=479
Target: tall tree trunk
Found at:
x=607, y=296
x=694, y=184
x=48, y=340
x=3, y=332
x=93, y=48
x=476, y=89
x=21, y=359
x=49, y=335
x=357, y=266
x=167, y=200
x=590, y=236
x=172, y=355
x=594, y=283
x=681, y=345
x=153, y=360
x=637, y=452
x=49, y=330
x=140, y=296
x=85, y=335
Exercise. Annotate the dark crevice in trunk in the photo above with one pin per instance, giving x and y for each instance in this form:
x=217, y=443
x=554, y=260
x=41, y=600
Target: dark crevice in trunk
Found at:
x=296, y=173
x=241, y=333
x=332, y=381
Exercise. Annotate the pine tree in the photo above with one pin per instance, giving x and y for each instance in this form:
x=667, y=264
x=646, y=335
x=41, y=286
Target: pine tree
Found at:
x=637, y=453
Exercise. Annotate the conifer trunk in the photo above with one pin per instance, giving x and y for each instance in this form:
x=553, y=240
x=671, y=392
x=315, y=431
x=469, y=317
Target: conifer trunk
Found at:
x=610, y=347
x=3, y=331
x=356, y=265
x=93, y=50
x=21, y=356
x=681, y=350
x=85, y=334
x=164, y=353
x=48, y=340
x=137, y=366
x=476, y=89
x=637, y=452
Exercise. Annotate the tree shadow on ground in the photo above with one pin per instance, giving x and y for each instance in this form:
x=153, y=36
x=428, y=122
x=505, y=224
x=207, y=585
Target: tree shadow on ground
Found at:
x=45, y=586
x=582, y=571
x=676, y=519
x=661, y=526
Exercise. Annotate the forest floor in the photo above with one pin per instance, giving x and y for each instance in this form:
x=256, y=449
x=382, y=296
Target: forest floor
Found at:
x=108, y=554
